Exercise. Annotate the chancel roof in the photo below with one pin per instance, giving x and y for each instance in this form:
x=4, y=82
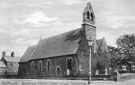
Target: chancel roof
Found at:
x=101, y=45
x=27, y=53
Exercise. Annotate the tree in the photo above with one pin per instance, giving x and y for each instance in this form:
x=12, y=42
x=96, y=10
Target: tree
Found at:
x=115, y=56
x=126, y=45
x=102, y=60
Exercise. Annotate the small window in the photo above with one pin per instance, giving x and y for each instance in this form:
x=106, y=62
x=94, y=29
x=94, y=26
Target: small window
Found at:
x=124, y=68
x=133, y=67
x=69, y=63
x=48, y=65
x=91, y=16
x=88, y=15
x=40, y=65
x=32, y=65
x=58, y=70
x=11, y=64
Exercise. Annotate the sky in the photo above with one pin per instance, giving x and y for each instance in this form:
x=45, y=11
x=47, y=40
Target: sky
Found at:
x=24, y=22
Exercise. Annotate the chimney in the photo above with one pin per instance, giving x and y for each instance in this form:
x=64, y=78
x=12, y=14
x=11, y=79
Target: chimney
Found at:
x=12, y=54
x=3, y=54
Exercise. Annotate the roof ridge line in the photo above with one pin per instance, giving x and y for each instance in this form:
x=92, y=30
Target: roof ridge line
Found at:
x=62, y=33
x=34, y=49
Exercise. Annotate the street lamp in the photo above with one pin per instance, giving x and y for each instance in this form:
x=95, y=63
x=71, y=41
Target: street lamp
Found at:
x=90, y=42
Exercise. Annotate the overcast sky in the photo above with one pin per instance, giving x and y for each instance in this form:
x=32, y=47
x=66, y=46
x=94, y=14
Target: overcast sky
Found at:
x=22, y=22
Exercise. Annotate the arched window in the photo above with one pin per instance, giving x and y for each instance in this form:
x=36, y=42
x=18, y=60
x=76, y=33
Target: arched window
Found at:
x=32, y=66
x=11, y=64
x=92, y=17
x=58, y=70
x=69, y=63
x=88, y=15
x=40, y=65
x=48, y=65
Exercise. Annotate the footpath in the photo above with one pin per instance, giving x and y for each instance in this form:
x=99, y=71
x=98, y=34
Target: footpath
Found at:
x=61, y=82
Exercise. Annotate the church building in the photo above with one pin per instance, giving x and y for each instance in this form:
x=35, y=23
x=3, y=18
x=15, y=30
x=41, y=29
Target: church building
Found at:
x=66, y=54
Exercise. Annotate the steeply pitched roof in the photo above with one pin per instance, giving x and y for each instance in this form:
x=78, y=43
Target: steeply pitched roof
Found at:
x=62, y=44
x=12, y=59
x=102, y=49
x=2, y=64
x=27, y=54
x=101, y=45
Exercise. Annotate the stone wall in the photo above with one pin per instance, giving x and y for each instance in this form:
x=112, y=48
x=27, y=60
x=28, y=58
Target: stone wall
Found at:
x=83, y=56
x=40, y=68
x=23, y=70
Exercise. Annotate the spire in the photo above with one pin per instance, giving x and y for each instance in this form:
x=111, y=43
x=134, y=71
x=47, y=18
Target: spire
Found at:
x=88, y=15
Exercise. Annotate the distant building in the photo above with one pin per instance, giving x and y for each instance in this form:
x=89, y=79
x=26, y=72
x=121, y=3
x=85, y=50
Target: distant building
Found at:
x=126, y=66
x=11, y=63
x=3, y=69
x=66, y=54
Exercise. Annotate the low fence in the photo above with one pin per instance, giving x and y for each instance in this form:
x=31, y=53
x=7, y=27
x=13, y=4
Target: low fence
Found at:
x=94, y=78
x=125, y=76
x=103, y=77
